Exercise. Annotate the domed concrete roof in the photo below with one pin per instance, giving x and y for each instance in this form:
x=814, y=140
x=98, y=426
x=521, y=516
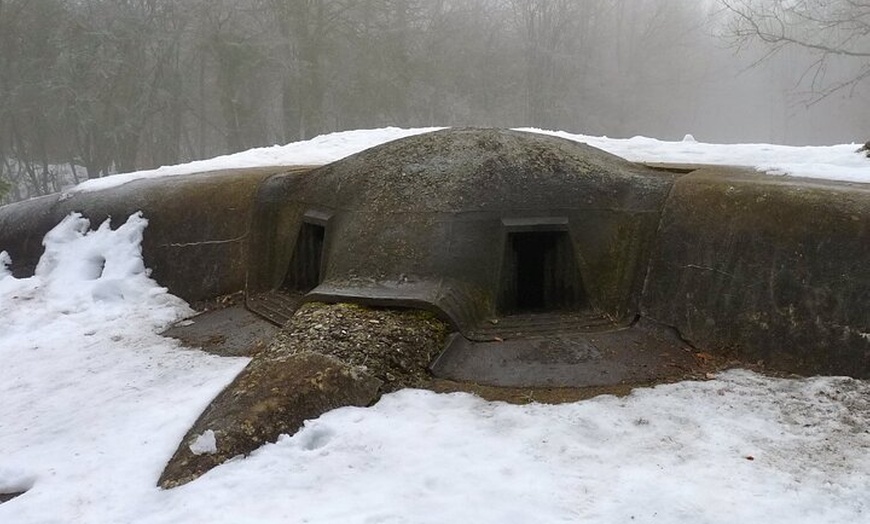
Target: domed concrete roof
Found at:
x=467, y=170
x=435, y=219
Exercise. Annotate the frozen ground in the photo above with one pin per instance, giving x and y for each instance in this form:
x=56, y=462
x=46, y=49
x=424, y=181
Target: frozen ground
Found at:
x=839, y=162
x=94, y=403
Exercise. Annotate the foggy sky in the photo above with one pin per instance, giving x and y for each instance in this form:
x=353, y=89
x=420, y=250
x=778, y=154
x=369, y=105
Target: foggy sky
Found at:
x=114, y=85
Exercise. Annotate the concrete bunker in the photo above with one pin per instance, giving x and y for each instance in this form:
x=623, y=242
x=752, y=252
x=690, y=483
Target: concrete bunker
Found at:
x=471, y=224
x=737, y=262
x=481, y=224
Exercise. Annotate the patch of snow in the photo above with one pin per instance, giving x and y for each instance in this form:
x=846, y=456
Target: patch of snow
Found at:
x=205, y=444
x=838, y=162
x=827, y=162
x=94, y=400
x=742, y=448
x=319, y=150
x=107, y=265
x=5, y=262
x=14, y=480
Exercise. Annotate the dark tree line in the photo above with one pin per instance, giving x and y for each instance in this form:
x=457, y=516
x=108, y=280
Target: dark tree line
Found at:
x=93, y=87
x=102, y=86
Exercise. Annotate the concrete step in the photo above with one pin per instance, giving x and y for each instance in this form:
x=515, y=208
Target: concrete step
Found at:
x=541, y=325
x=275, y=306
x=638, y=354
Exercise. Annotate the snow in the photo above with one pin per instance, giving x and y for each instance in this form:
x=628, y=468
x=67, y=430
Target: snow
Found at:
x=204, y=444
x=94, y=402
x=92, y=397
x=317, y=151
x=5, y=261
x=838, y=162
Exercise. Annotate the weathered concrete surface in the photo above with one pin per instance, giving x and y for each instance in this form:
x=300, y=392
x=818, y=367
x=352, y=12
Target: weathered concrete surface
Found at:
x=329, y=356
x=766, y=268
x=197, y=235
x=424, y=221
x=230, y=332
x=272, y=396
x=640, y=354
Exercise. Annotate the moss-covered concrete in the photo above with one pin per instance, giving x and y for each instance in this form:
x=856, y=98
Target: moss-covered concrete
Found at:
x=767, y=268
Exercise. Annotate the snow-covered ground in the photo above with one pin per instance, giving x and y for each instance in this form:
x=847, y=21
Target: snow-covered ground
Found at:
x=93, y=403
x=839, y=162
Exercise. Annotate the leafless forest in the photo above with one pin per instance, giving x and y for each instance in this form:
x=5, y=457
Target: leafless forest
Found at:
x=92, y=87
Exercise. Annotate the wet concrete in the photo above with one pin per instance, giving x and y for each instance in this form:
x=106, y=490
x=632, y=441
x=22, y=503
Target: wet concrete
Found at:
x=639, y=354
x=229, y=332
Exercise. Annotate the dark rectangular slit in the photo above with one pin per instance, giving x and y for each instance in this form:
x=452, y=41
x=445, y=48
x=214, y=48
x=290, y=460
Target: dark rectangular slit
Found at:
x=303, y=273
x=540, y=273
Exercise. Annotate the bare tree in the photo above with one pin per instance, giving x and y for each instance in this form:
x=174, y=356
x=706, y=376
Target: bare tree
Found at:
x=92, y=87
x=304, y=33
x=28, y=49
x=548, y=30
x=833, y=30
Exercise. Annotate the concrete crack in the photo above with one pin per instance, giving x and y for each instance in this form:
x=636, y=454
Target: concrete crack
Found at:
x=205, y=242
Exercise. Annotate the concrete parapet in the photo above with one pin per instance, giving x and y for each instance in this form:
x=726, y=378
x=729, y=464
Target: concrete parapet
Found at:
x=768, y=268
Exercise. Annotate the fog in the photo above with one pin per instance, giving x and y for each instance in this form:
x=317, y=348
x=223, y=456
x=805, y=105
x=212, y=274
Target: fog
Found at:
x=93, y=87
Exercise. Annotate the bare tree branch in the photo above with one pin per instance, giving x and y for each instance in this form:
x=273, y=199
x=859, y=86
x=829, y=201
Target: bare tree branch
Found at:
x=828, y=28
